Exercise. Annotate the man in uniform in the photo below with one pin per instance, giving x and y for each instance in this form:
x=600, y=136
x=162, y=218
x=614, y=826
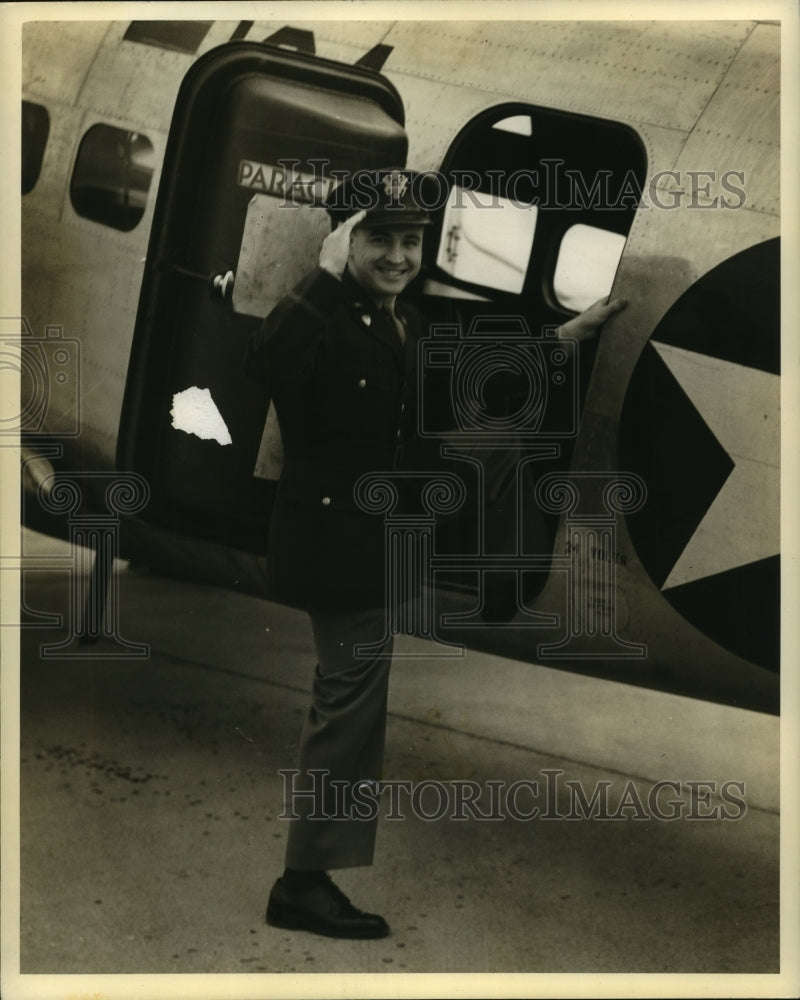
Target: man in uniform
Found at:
x=338, y=357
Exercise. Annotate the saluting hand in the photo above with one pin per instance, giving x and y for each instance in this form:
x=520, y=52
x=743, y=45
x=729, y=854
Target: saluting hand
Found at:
x=590, y=320
x=336, y=246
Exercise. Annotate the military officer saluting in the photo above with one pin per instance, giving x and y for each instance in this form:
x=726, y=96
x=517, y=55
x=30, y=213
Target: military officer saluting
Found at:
x=338, y=358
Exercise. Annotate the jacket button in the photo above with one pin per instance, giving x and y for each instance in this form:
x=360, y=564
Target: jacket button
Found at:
x=326, y=501
x=361, y=383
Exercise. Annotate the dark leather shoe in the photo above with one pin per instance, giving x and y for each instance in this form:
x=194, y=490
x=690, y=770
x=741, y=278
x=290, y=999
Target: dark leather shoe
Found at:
x=324, y=909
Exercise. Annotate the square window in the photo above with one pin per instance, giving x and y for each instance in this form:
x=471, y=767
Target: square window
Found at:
x=588, y=258
x=486, y=240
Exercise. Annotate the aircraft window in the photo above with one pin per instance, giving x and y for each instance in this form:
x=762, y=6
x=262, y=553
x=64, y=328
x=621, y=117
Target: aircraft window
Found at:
x=587, y=262
x=112, y=176
x=177, y=36
x=583, y=176
x=35, y=130
x=487, y=239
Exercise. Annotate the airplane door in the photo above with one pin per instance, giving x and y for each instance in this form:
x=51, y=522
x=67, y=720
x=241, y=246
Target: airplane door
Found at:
x=540, y=204
x=257, y=136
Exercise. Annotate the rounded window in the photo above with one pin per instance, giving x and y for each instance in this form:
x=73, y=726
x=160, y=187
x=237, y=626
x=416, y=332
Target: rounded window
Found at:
x=35, y=130
x=112, y=176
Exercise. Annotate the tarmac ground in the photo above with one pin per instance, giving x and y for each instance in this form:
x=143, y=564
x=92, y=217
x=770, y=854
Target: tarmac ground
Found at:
x=150, y=804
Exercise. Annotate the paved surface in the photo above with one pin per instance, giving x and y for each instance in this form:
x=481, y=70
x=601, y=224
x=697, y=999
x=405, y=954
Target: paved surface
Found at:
x=150, y=800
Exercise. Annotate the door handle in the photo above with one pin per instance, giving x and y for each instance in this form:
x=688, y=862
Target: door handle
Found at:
x=222, y=284
x=219, y=285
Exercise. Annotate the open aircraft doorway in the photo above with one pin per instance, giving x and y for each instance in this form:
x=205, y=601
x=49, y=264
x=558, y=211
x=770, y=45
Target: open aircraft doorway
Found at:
x=538, y=210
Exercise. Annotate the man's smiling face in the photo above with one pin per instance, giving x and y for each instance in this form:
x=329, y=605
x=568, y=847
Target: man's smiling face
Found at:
x=384, y=259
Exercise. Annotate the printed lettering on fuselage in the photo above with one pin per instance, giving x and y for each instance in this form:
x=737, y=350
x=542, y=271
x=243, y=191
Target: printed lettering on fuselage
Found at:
x=280, y=182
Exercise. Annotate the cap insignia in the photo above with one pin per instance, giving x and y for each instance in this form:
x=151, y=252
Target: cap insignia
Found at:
x=395, y=184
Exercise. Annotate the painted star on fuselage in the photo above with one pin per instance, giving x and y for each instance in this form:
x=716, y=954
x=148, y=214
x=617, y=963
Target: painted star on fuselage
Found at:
x=740, y=405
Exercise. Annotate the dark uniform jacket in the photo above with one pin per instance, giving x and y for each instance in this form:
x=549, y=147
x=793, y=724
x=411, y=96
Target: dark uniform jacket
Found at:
x=344, y=389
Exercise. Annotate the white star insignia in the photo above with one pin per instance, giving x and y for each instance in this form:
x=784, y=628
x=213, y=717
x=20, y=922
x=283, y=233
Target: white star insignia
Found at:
x=741, y=407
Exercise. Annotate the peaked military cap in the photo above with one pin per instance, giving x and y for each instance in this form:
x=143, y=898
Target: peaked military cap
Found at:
x=390, y=197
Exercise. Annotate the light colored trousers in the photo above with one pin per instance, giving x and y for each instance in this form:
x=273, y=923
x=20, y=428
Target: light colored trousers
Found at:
x=343, y=736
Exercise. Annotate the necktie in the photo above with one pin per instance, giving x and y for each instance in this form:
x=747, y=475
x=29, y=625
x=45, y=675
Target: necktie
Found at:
x=397, y=322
